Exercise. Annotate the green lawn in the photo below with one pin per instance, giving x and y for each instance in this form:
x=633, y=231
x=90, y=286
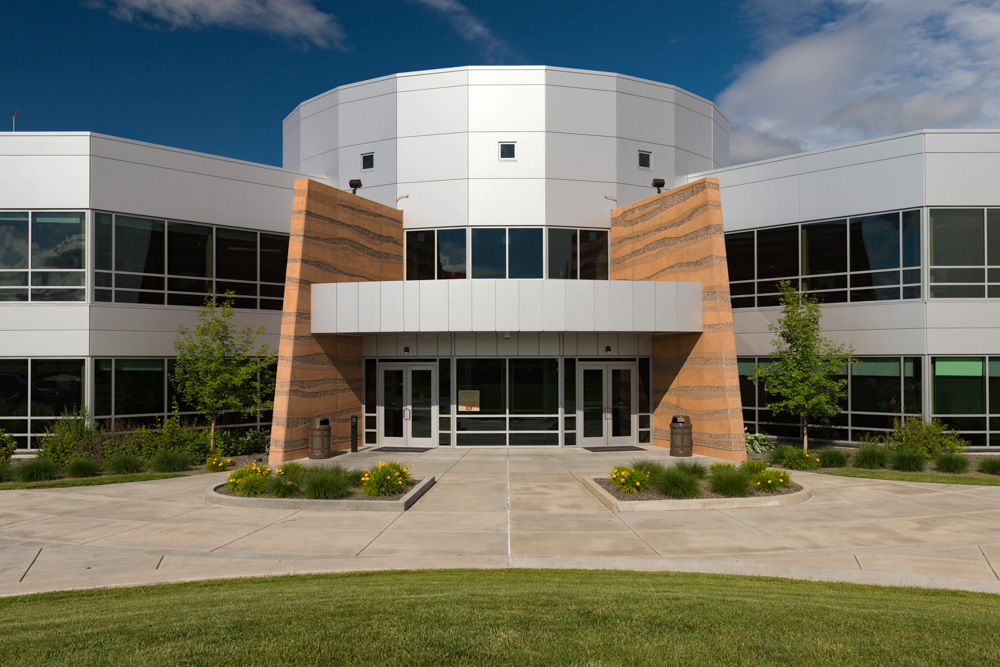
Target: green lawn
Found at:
x=513, y=617
x=895, y=475
x=89, y=481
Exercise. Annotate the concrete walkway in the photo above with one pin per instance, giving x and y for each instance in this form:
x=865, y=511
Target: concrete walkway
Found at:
x=493, y=509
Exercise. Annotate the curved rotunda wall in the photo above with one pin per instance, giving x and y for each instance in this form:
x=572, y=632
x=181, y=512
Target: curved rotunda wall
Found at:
x=434, y=138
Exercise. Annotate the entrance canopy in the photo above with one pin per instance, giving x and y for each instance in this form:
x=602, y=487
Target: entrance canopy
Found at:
x=464, y=306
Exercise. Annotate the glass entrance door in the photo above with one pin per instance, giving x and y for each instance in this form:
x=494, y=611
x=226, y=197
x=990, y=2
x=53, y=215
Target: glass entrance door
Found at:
x=408, y=405
x=606, y=400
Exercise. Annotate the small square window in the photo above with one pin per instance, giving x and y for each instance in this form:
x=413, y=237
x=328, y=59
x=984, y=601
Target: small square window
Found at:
x=367, y=161
x=645, y=160
x=507, y=150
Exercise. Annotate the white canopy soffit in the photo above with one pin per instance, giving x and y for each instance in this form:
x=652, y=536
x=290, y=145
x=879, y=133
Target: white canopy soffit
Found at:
x=466, y=306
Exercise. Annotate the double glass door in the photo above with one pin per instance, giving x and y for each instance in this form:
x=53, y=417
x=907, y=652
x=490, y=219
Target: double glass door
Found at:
x=606, y=400
x=408, y=405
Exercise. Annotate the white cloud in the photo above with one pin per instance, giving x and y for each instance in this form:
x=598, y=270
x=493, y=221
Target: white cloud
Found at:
x=471, y=28
x=292, y=19
x=837, y=71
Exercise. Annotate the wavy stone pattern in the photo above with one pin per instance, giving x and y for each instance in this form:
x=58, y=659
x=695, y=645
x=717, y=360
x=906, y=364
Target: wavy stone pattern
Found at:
x=335, y=237
x=677, y=235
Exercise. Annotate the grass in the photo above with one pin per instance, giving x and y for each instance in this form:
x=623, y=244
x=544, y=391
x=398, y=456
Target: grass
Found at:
x=518, y=617
x=169, y=461
x=38, y=469
x=123, y=464
x=92, y=481
x=897, y=476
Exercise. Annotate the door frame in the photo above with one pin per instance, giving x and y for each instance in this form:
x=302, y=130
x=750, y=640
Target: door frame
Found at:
x=407, y=369
x=608, y=440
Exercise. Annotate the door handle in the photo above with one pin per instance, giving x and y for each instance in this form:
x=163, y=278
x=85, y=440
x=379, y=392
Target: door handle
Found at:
x=406, y=414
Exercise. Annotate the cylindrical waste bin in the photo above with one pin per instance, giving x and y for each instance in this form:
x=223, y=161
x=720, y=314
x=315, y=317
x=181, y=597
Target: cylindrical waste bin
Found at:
x=319, y=439
x=680, y=436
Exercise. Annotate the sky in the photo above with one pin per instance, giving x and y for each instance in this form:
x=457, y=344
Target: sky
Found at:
x=218, y=76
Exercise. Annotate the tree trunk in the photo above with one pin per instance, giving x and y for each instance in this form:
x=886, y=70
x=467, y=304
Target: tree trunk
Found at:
x=211, y=437
x=805, y=436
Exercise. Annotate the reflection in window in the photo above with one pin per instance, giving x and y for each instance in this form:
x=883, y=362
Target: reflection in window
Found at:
x=534, y=387
x=139, y=386
x=451, y=254
x=875, y=242
x=13, y=388
x=593, y=255
x=13, y=241
x=139, y=245
x=489, y=253
x=57, y=240
x=959, y=386
x=56, y=386
x=824, y=247
x=562, y=253
x=420, y=255
x=875, y=385
x=525, y=252
x=104, y=242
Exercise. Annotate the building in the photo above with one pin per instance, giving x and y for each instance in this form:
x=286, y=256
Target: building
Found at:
x=505, y=275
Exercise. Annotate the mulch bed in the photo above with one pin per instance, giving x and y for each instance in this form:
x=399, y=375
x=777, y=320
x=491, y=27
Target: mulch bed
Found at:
x=706, y=492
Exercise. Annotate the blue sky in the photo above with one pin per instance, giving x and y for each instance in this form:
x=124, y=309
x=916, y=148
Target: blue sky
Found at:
x=218, y=76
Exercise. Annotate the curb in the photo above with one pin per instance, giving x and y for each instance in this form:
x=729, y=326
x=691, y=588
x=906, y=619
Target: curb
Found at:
x=619, y=506
x=400, y=505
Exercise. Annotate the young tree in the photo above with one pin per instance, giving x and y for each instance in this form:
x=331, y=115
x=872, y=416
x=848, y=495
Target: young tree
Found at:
x=221, y=369
x=803, y=369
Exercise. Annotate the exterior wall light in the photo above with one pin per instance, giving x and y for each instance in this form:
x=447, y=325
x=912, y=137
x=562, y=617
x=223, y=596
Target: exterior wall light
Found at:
x=354, y=184
x=658, y=183
x=607, y=349
x=406, y=350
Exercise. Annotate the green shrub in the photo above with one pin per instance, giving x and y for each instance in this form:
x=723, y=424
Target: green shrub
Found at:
x=329, y=483
x=757, y=442
x=794, y=458
x=677, y=483
x=783, y=453
x=752, y=467
x=82, y=466
x=122, y=464
x=38, y=469
x=5, y=471
x=8, y=445
x=771, y=480
x=907, y=460
x=388, y=479
x=990, y=465
x=951, y=462
x=249, y=480
x=217, y=464
x=258, y=442
x=729, y=481
x=286, y=481
x=693, y=468
x=649, y=465
x=871, y=456
x=914, y=434
x=832, y=458
x=174, y=435
x=73, y=435
x=169, y=461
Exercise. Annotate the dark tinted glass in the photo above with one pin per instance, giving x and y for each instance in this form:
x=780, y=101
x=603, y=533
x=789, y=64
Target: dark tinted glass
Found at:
x=139, y=245
x=569, y=386
x=489, y=253
x=235, y=254
x=371, y=386
x=451, y=254
x=994, y=380
x=102, y=387
x=778, y=252
x=957, y=237
x=104, y=250
x=57, y=240
x=273, y=258
x=507, y=151
x=138, y=386
x=645, y=386
x=489, y=378
x=959, y=385
x=562, y=253
x=56, y=385
x=189, y=250
x=534, y=386
x=748, y=391
x=824, y=247
x=13, y=387
x=172, y=395
x=739, y=255
x=875, y=242
x=368, y=161
x=13, y=240
x=444, y=387
x=420, y=255
x=644, y=159
x=913, y=383
x=911, y=238
x=875, y=385
x=525, y=255
x=593, y=255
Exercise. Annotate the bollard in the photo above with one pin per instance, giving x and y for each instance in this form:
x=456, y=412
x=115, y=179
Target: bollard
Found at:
x=354, y=433
x=680, y=436
x=319, y=439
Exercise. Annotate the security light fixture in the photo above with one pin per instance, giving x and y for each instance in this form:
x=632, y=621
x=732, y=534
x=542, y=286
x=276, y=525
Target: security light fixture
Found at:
x=607, y=349
x=356, y=183
x=658, y=183
x=406, y=350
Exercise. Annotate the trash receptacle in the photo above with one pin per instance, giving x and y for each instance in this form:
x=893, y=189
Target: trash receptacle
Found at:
x=319, y=439
x=680, y=436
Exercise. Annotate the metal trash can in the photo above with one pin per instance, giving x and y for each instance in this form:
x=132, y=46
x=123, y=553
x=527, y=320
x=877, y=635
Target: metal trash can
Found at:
x=319, y=439
x=680, y=436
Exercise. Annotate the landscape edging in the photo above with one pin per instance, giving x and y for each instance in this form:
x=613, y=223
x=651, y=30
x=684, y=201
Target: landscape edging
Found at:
x=616, y=505
x=404, y=503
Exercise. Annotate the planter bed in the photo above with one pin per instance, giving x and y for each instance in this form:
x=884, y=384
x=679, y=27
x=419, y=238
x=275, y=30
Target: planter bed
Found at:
x=651, y=500
x=219, y=495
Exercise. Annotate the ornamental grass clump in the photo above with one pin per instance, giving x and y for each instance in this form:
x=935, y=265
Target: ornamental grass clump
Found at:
x=249, y=480
x=729, y=481
x=82, y=466
x=38, y=469
x=169, y=461
x=990, y=466
x=649, y=465
x=217, y=464
x=386, y=479
x=794, y=458
x=907, y=460
x=122, y=464
x=951, y=462
x=771, y=480
x=629, y=480
x=328, y=483
x=692, y=468
x=832, y=458
x=286, y=481
x=675, y=482
x=871, y=456
x=752, y=467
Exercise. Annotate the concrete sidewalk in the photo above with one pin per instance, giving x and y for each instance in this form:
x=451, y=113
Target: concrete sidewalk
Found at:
x=500, y=508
